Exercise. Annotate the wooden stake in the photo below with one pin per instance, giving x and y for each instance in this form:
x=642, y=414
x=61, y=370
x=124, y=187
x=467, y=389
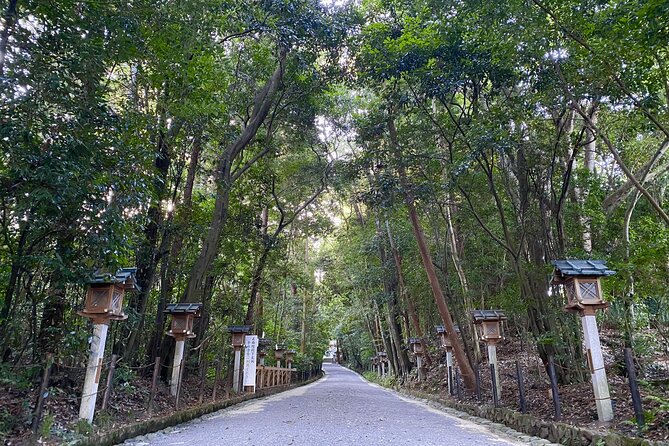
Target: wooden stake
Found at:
x=554, y=387
x=43, y=393
x=110, y=378
x=154, y=383
x=203, y=380
x=493, y=380
x=521, y=388
x=217, y=378
x=634, y=388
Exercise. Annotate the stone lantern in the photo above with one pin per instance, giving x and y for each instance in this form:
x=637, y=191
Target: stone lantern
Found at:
x=581, y=279
x=262, y=350
x=491, y=333
x=238, y=333
x=279, y=350
x=290, y=355
x=183, y=315
x=446, y=344
x=417, y=349
x=104, y=302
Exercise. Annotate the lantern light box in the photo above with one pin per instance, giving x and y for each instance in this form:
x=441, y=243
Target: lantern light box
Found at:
x=443, y=334
x=581, y=279
x=416, y=345
x=239, y=332
x=489, y=321
x=183, y=315
x=104, y=297
x=279, y=350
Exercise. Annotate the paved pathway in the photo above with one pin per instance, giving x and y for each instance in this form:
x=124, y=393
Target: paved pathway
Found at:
x=341, y=409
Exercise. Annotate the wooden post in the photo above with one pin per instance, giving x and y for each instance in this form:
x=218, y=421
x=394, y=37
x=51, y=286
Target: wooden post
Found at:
x=154, y=383
x=451, y=381
x=554, y=389
x=449, y=369
x=600, y=385
x=176, y=366
x=203, y=380
x=492, y=360
x=93, y=370
x=110, y=380
x=178, y=395
x=634, y=388
x=236, y=372
x=493, y=380
x=419, y=364
x=43, y=393
x=457, y=383
x=478, y=382
x=521, y=388
x=217, y=379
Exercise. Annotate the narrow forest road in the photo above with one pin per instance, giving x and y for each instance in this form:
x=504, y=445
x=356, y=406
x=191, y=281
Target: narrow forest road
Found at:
x=341, y=408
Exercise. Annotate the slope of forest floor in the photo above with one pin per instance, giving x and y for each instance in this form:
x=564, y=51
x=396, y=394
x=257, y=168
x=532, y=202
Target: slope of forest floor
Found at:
x=128, y=404
x=577, y=401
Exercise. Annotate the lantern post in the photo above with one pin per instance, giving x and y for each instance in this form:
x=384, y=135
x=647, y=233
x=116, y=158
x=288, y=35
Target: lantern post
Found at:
x=581, y=280
x=383, y=357
x=238, y=334
x=262, y=350
x=104, y=302
x=181, y=329
x=446, y=344
x=279, y=350
x=491, y=333
x=290, y=355
x=417, y=348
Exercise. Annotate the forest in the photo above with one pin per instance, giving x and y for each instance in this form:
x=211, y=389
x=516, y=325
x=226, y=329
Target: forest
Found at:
x=349, y=170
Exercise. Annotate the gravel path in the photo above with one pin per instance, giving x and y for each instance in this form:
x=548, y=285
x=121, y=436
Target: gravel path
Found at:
x=341, y=408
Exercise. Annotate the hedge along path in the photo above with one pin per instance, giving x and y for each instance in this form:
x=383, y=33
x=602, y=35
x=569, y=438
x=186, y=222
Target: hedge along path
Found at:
x=159, y=423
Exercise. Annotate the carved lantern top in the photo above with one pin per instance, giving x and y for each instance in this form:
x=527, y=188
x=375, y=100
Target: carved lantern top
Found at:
x=290, y=354
x=489, y=321
x=238, y=332
x=581, y=281
x=443, y=334
x=416, y=345
x=183, y=315
x=104, y=297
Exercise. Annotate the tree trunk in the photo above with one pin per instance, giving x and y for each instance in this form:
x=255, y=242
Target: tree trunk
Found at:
x=262, y=104
x=10, y=20
x=440, y=300
x=407, y=298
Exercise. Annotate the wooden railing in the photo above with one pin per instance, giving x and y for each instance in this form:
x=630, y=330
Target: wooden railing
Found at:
x=273, y=376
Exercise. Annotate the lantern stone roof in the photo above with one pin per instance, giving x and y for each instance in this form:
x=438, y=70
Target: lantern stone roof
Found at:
x=381, y=354
x=125, y=276
x=292, y=351
x=573, y=268
x=488, y=315
x=414, y=340
x=239, y=328
x=264, y=342
x=184, y=308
